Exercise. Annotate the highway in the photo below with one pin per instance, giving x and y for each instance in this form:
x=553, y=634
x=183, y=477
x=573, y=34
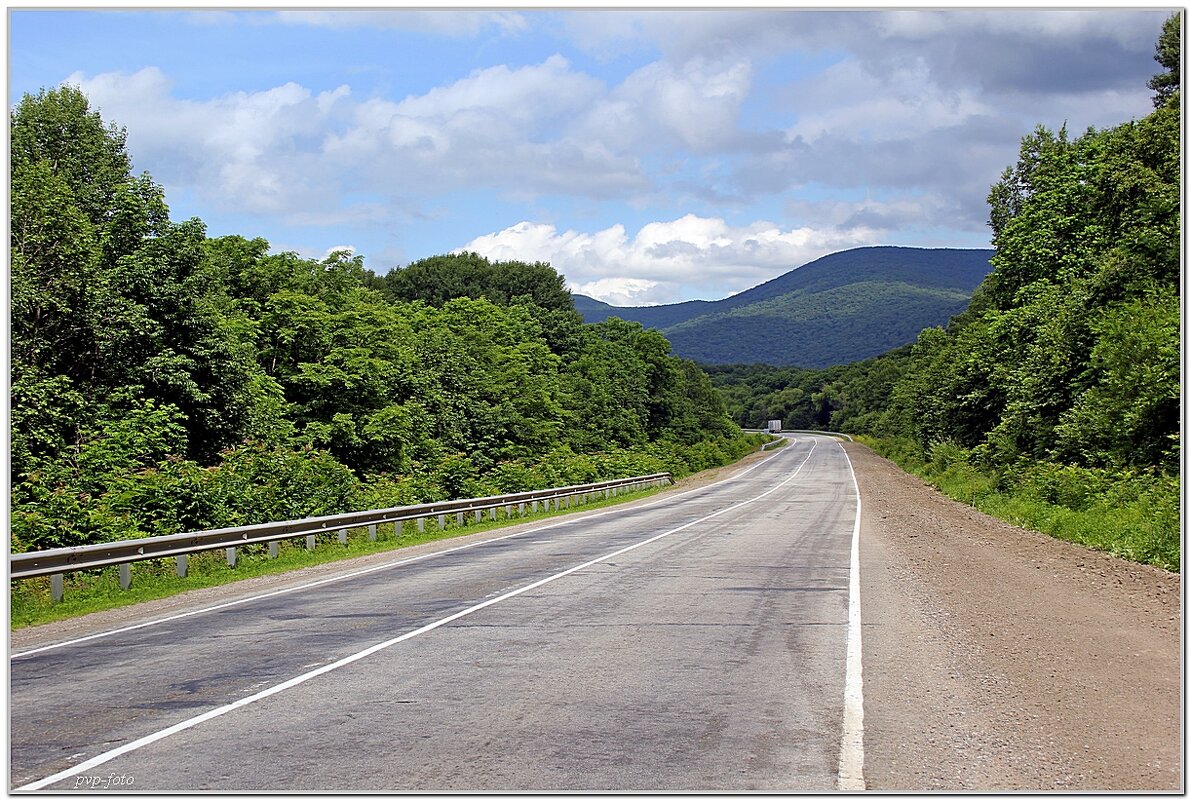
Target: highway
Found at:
x=695, y=640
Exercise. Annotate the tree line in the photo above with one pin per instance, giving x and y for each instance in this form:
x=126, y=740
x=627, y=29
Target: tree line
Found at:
x=166, y=381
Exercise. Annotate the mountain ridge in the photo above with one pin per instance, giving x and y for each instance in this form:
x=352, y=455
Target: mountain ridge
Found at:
x=809, y=317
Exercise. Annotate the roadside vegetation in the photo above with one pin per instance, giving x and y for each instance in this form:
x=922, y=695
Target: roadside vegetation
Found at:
x=1053, y=400
x=164, y=381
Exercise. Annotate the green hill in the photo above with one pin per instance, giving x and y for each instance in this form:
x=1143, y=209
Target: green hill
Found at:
x=837, y=309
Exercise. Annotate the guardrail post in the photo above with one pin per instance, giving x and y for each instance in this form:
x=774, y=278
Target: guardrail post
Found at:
x=56, y=592
x=534, y=507
x=343, y=536
x=508, y=510
x=479, y=515
x=310, y=540
x=421, y=524
x=459, y=518
x=183, y=567
x=521, y=509
x=442, y=522
x=125, y=576
x=231, y=557
x=492, y=513
x=372, y=532
x=274, y=549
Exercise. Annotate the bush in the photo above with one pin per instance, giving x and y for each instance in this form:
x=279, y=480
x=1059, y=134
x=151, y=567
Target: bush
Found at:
x=1129, y=513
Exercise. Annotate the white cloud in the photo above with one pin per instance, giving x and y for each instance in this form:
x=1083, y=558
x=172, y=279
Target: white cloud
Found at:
x=694, y=106
x=294, y=154
x=618, y=291
x=669, y=261
x=845, y=100
x=253, y=152
x=496, y=127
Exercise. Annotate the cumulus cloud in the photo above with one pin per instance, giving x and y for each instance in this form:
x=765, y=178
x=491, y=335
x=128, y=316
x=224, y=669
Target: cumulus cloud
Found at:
x=253, y=152
x=669, y=261
x=694, y=106
x=488, y=129
x=293, y=153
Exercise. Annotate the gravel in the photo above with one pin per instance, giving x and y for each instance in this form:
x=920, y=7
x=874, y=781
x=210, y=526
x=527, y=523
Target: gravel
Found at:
x=997, y=658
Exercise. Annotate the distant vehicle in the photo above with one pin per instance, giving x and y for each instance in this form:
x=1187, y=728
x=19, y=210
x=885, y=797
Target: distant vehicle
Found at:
x=775, y=427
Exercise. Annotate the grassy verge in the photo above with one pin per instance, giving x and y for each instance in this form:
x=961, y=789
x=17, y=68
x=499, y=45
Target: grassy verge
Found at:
x=93, y=591
x=1131, y=514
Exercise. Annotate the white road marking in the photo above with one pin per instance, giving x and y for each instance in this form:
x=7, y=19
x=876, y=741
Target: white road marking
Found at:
x=347, y=660
x=851, y=752
x=386, y=566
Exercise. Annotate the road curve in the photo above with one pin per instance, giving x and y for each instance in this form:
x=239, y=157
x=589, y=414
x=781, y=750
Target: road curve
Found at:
x=695, y=641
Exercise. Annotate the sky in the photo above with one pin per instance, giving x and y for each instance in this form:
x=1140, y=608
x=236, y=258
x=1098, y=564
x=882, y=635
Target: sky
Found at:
x=650, y=156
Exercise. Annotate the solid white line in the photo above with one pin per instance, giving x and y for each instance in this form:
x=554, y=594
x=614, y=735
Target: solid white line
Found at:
x=107, y=756
x=851, y=752
x=579, y=517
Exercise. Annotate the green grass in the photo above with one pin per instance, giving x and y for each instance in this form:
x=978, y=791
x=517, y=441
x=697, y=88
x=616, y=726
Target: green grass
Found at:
x=1130, y=514
x=93, y=591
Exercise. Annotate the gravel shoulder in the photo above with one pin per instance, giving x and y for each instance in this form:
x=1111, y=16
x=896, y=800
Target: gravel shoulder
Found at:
x=997, y=658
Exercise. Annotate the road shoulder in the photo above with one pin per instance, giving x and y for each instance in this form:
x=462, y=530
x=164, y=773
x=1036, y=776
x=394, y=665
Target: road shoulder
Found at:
x=997, y=658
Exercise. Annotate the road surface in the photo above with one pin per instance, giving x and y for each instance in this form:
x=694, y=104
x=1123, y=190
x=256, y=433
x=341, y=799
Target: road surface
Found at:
x=696, y=640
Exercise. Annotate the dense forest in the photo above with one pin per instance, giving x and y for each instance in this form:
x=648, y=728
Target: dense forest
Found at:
x=164, y=381
x=1062, y=377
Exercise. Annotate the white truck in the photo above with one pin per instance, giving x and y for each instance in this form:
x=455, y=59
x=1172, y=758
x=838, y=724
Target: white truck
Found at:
x=775, y=427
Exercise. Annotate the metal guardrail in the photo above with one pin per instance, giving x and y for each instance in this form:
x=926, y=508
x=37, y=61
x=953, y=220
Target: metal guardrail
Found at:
x=57, y=561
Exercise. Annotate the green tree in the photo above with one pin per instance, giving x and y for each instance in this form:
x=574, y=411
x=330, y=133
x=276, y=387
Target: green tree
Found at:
x=1169, y=55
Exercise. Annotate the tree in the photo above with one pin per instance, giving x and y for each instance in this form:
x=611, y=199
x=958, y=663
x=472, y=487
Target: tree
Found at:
x=1169, y=55
x=536, y=287
x=107, y=291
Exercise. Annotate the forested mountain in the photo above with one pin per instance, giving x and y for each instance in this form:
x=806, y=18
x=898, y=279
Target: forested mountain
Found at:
x=164, y=381
x=846, y=306
x=1062, y=377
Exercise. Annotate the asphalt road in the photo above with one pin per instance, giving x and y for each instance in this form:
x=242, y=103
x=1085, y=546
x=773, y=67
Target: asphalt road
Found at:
x=695, y=641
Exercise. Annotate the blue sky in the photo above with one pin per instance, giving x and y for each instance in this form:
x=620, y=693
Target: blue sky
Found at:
x=650, y=156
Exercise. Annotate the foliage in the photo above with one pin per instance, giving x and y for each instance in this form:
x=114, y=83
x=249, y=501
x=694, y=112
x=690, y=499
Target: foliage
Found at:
x=1168, y=54
x=535, y=287
x=164, y=381
x=853, y=397
x=1129, y=513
